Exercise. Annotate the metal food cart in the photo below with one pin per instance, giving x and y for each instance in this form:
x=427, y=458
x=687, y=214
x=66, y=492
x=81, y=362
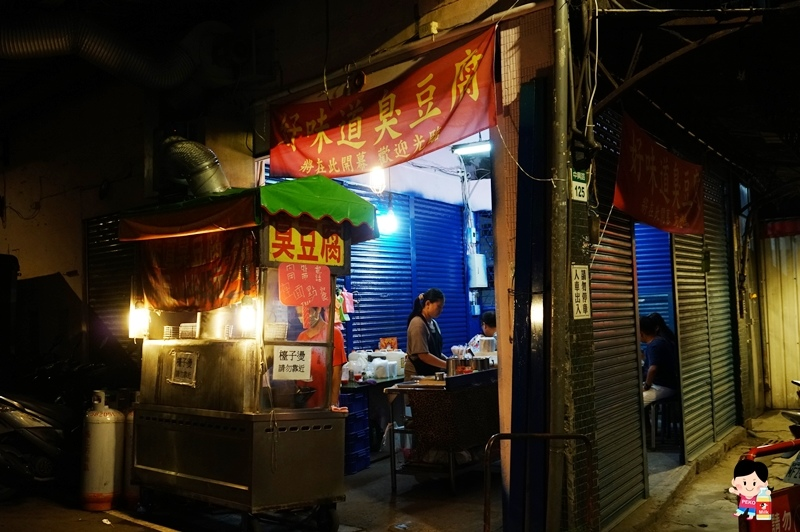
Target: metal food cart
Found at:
x=456, y=415
x=222, y=415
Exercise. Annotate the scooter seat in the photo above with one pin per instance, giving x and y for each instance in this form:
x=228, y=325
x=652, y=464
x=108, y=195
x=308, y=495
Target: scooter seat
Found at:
x=56, y=415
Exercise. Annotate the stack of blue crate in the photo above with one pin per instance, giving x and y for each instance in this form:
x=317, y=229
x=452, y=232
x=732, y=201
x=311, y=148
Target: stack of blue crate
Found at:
x=356, y=439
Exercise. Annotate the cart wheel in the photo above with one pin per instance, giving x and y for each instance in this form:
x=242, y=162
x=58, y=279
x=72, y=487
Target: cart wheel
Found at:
x=327, y=518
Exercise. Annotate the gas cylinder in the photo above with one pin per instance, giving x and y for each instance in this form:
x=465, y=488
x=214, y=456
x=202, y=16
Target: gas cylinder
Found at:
x=103, y=442
x=129, y=489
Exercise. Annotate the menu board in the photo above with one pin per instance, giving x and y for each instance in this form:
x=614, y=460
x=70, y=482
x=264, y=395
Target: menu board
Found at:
x=304, y=285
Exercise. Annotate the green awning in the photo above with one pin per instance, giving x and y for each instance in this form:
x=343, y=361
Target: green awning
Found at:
x=319, y=197
x=316, y=197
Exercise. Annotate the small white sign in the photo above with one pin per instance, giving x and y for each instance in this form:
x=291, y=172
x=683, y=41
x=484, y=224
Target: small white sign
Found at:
x=292, y=362
x=581, y=304
x=579, y=186
x=184, y=368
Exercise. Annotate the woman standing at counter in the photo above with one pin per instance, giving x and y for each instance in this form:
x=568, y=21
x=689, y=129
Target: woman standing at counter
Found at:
x=424, y=338
x=316, y=330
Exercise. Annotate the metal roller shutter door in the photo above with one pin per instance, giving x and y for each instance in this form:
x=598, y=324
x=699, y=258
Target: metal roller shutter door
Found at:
x=380, y=280
x=620, y=448
x=693, y=339
x=723, y=390
x=439, y=261
x=109, y=269
x=654, y=272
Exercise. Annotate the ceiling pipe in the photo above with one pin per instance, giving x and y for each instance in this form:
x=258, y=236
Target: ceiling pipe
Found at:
x=66, y=34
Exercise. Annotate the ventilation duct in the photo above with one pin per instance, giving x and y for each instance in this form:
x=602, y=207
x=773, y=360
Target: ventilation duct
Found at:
x=190, y=161
x=47, y=36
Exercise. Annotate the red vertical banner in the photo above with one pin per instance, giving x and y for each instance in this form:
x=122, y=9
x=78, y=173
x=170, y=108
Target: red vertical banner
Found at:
x=438, y=103
x=657, y=187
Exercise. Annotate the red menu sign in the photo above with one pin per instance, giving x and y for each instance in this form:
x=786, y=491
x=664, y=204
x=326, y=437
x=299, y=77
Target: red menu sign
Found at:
x=439, y=103
x=657, y=187
x=304, y=285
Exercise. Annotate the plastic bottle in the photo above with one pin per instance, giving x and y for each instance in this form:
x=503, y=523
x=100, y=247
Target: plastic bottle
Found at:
x=763, y=505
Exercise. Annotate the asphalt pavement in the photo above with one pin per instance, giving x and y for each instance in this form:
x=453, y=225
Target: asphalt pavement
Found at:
x=427, y=506
x=696, y=497
x=682, y=498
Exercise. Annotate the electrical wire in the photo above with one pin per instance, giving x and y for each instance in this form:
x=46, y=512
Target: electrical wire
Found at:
x=508, y=151
x=600, y=239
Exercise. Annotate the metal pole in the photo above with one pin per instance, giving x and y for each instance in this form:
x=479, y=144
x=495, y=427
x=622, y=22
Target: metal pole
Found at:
x=559, y=366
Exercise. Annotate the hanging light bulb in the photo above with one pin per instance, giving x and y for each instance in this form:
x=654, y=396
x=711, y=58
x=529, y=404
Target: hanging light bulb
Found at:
x=247, y=315
x=377, y=180
x=138, y=320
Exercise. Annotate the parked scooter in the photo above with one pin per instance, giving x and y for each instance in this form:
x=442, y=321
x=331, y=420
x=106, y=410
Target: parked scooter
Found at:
x=37, y=442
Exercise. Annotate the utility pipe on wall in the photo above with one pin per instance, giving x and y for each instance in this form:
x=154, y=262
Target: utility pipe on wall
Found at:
x=559, y=366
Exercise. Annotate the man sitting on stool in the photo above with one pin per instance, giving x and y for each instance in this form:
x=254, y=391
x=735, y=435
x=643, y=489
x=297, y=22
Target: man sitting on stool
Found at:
x=661, y=361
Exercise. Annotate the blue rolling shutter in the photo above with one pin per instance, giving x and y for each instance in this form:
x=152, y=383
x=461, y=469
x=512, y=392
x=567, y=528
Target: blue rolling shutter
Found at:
x=386, y=273
x=654, y=272
x=438, y=232
x=380, y=280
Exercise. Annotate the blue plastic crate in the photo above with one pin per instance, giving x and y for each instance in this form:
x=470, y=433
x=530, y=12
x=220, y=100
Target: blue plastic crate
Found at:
x=356, y=441
x=355, y=402
x=356, y=461
x=356, y=421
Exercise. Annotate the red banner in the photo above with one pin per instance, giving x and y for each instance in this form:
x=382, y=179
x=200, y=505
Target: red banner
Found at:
x=656, y=187
x=439, y=103
x=781, y=228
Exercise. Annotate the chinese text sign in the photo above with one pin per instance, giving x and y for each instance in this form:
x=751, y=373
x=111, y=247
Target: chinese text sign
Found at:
x=305, y=245
x=656, y=187
x=581, y=303
x=439, y=103
x=304, y=285
x=293, y=362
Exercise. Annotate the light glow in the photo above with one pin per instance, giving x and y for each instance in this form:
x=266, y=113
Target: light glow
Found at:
x=138, y=321
x=247, y=315
x=472, y=148
x=387, y=223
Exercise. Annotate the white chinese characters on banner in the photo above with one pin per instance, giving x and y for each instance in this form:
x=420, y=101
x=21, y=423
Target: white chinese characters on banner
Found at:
x=292, y=362
x=581, y=304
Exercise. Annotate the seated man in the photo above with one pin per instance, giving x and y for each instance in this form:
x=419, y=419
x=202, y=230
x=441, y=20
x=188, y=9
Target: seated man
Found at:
x=488, y=328
x=661, y=362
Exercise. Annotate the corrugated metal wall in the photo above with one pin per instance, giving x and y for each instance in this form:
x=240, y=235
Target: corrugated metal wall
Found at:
x=720, y=311
x=427, y=251
x=621, y=459
x=780, y=306
x=705, y=326
x=654, y=272
x=109, y=269
x=694, y=341
x=440, y=261
x=380, y=279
